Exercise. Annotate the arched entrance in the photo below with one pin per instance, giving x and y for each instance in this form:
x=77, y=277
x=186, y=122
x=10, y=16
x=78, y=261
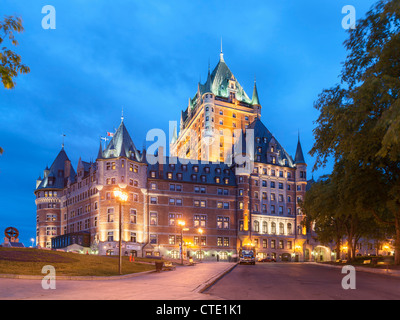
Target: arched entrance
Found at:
x=321, y=253
x=306, y=255
x=286, y=257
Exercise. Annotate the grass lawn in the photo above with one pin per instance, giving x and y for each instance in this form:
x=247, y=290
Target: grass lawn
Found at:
x=29, y=261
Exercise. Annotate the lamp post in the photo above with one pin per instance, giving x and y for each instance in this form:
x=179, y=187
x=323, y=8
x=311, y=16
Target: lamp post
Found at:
x=121, y=197
x=201, y=233
x=181, y=223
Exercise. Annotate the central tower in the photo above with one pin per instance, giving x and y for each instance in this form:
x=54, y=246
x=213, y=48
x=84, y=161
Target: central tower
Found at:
x=219, y=107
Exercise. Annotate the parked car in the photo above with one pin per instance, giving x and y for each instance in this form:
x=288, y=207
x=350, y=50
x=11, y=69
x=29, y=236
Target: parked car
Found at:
x=268, y=259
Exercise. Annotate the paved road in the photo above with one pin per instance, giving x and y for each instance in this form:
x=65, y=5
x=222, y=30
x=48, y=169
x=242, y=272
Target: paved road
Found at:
x=288, y=281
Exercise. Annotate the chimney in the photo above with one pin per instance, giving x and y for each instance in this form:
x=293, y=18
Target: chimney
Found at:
x=161, y=161
x=67, y=168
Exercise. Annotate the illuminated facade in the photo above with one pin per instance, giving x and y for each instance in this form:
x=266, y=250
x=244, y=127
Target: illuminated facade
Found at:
x=231, y=206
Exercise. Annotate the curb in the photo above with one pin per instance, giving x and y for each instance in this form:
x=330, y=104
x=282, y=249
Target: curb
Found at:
x=203, y=287
x=76, y=278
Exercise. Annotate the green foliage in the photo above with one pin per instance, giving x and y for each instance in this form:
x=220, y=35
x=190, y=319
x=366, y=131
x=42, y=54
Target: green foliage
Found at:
x=359, y=121
x=10, y=62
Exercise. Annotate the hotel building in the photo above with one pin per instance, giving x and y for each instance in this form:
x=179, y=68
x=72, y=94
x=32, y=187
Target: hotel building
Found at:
x=223, y=203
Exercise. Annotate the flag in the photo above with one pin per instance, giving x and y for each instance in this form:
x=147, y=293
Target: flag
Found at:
x=109, y=134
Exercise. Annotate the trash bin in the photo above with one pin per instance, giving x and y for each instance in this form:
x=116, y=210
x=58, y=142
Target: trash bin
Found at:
x=159, y=265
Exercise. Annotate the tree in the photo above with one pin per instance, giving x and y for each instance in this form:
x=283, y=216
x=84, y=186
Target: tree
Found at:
x=10, y=62
x=321, y=210
x=335, y=205
x=359, y=119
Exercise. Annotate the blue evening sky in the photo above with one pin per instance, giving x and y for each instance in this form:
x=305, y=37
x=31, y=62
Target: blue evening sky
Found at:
x=147, y=57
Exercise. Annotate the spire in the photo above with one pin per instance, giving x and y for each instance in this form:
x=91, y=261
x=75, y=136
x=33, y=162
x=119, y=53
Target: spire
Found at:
x=221, y=55
x=174, y=136
x=122, y=114
x=299, y=157
x=255, y=100
x=62, y=145
x=100, y=153
x=208, y=84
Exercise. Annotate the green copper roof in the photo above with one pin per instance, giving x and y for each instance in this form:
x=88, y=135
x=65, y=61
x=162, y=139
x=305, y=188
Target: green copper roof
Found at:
x=217, y=83
x=255, y=100
x=220, y=80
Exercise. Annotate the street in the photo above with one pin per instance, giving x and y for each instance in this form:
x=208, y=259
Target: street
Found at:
x=298, y=281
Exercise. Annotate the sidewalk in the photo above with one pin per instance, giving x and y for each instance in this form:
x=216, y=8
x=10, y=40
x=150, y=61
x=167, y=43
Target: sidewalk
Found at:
x=184, y=283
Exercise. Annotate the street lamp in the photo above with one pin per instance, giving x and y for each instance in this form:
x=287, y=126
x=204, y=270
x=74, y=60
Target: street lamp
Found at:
x=121, y=197
x=33, y=240
x=181, y=223
x=201, y=233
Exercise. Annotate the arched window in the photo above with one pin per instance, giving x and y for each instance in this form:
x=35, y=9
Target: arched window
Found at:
x=200, y=255
x=175, y=254
x=265, y=227
x=273, y=228
x=281, y=228
x=289, y=228
x=256, y=226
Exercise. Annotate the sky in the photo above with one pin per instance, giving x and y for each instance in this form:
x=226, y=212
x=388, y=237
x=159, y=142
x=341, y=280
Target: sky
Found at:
x=147, y=58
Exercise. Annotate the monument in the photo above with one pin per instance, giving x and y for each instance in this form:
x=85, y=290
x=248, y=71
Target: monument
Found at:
x=11, y=239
